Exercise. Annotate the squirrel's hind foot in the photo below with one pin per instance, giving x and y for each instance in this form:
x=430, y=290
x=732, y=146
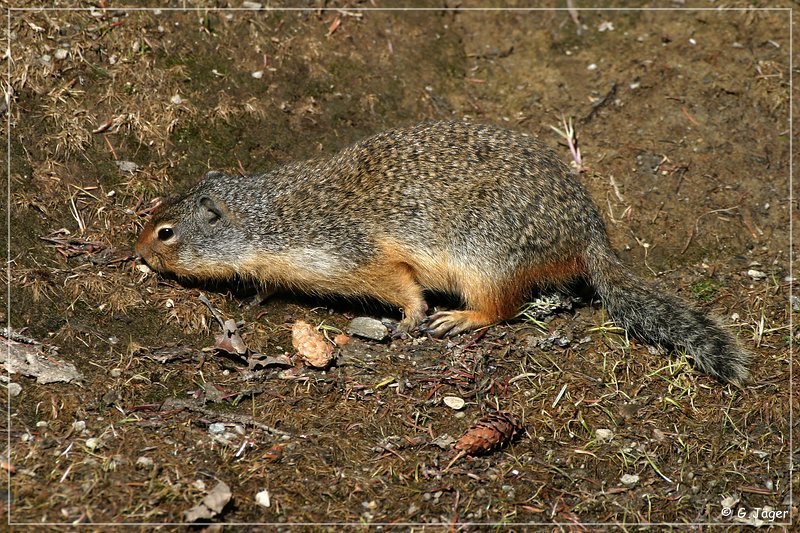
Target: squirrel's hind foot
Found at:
x=448, y=323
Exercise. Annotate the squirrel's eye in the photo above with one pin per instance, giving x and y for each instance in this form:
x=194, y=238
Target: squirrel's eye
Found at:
x=165, y=234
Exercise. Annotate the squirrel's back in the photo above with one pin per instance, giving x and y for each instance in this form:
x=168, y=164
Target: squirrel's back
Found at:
x=479, y=211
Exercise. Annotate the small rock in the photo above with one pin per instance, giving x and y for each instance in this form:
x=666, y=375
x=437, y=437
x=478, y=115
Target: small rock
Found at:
x=127, y=166
x=252, y=5
x=216, y=427
x=756, y=274
x=629, y=479
x=92, y=443
x=561, y=342
x=115, y=372
x=454, y=402
x=262, y=498
x=14, y=389
x=604, y=434
x=795, y=302
x=41, y=424
x=144, y=462
x=46, y=58
x=258, y=74
x=177, y=100
x=444, y=442
x=60, y=53
x=79, y=425
x=367, y=327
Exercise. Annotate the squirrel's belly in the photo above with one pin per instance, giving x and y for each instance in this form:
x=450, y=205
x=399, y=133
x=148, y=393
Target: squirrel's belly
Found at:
x=309, y=269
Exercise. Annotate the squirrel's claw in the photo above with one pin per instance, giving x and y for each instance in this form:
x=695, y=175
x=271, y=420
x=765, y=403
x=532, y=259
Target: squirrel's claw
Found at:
x=447, y=323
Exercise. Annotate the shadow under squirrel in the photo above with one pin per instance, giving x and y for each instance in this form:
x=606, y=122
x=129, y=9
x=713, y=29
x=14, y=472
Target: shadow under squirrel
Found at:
x=477, y=211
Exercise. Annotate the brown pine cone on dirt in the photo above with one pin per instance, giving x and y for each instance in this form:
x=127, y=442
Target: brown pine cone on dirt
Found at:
x=490, y=433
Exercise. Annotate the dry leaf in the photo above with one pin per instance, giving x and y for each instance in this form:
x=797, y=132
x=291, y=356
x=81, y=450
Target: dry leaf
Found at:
x=259, y=360
x=491, y=432
x=211, y=505
x=311, y=345
x=230, y=341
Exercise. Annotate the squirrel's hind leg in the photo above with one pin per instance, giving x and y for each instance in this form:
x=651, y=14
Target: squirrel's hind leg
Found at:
x=484, y=307
x=395, y=284
x=492, y=300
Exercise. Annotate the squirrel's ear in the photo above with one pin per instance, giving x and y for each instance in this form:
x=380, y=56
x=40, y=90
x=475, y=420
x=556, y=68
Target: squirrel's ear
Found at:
x=212, y=210
x=213, y=174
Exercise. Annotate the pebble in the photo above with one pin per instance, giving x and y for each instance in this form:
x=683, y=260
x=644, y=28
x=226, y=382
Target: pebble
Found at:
x=79, y=425
x=368, y=328
x=262, y=498
x=127, y=166
x=795, y=303
x=756, y=274
x=629, y=479
x=92, y=443
x=443, y=441
x=216, y=427
x=454, y=402
x=14, y=389
x=144, y=462
x=258, y=74
x=60, y=53
x=604, y=434
x=177, y=100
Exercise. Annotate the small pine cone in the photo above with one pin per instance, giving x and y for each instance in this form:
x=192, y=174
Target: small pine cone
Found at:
x=491, y=432
x=311, y=345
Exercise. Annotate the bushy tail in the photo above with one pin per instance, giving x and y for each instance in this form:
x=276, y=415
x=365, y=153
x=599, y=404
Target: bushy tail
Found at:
x=663, y=319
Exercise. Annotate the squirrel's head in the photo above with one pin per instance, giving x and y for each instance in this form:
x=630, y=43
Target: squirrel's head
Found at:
x=195, y=236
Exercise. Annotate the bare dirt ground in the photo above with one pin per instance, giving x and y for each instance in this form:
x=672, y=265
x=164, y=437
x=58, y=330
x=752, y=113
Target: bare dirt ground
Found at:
x=682, y=120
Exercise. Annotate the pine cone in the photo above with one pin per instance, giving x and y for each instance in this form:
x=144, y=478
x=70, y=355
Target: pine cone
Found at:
x=311, y=345
x=491, y=432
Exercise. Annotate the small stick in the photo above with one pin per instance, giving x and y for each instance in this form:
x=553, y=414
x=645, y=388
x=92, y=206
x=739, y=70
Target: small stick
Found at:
x=213, y=309
x=113, y=152
x=178, y=404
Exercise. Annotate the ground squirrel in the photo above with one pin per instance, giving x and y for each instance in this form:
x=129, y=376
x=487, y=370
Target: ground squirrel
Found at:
x=477, y=211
